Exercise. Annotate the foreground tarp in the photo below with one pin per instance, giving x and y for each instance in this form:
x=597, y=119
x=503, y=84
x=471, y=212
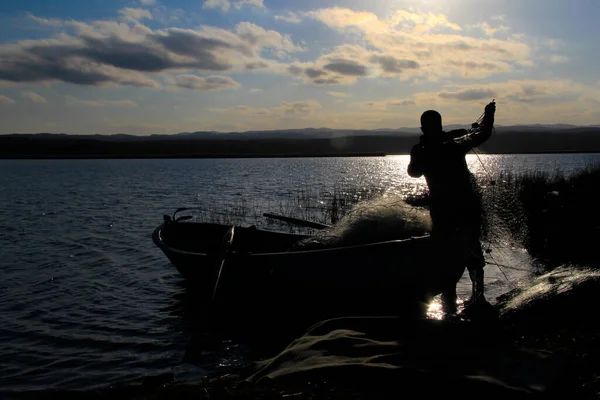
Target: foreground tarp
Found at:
x=525, y=352
x=426, y=356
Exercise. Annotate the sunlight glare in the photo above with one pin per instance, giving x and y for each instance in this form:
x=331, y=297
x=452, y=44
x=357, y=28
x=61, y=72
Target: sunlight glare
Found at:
x=434, y=311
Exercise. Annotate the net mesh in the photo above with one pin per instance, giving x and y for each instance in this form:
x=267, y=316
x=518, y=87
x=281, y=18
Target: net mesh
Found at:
x=366, y=212
x=505, y=229
x=393, y=216
x=375, y=220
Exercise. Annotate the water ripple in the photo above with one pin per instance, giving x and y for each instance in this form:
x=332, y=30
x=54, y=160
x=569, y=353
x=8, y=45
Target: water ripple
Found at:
x=86, y=300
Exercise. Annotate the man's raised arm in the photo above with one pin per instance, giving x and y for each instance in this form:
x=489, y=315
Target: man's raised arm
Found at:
x=485, y=131
x=487, y=126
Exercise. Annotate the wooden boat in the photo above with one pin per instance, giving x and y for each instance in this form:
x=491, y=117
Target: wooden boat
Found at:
x=196, y=249
x=260, y=270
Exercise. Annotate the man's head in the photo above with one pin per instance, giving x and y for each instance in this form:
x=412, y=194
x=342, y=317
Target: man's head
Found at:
x=431, y=123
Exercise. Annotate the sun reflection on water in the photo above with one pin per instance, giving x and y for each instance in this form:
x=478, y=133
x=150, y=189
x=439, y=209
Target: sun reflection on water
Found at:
x=434, y=311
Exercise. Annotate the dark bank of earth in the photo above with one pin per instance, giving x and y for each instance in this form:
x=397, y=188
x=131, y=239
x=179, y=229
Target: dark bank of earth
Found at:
x=542, y=345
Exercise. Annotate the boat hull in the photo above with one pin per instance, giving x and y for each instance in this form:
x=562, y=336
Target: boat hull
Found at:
x=196, y=249
x=388, y=278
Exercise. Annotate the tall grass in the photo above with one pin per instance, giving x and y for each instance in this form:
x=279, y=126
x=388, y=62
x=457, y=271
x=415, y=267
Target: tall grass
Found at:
x=562, y=215
x=322, y=206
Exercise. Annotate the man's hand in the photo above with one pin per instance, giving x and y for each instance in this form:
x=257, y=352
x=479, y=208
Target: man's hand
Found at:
x=490, y=109
x=415, y=167
x=478, y=137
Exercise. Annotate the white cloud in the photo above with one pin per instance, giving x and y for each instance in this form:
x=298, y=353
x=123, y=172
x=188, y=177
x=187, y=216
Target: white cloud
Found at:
x=135, y=14
x=253, y=3
x=405, y=50
x=286, y=110
x=344, y=66
x=148, y=2
x=412, y=45
x=298, y=109
x=46, y=21
x=34, y=97
x=388, y=104
x=558, y=59
x=339, y=94
x=249, y=110
x=553, y=44
x=72, y=101
x=290, y=17
x=6, y=100
x=240, y=111
x=258, y=36
x=171, y=16
x=526, y=101
x=423, y=22
x=490, y=30
x=208, y=83
x=226, y=5
x=126, y=52
x=469, y=94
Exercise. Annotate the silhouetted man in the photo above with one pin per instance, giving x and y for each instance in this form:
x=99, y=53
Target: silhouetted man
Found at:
x=455, y=208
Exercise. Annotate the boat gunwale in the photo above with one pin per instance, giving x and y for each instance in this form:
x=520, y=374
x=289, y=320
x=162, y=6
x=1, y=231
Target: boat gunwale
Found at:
x=158, y=241
x=157, y=238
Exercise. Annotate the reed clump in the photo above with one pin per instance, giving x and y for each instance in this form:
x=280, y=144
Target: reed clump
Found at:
x=562, y=216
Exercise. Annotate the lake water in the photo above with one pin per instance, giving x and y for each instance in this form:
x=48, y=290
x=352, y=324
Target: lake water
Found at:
x=87, y=300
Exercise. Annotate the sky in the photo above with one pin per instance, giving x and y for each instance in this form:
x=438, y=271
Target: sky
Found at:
x=157, y=66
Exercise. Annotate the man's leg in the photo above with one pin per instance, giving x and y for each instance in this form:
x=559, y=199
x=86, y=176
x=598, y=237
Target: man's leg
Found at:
x=477, y=306
x=445, y=235
x=453, y=272
x=475, y=266
x=476, y=275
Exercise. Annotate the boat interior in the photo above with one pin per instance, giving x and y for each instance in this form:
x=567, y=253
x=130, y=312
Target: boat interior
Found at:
x=209, y=238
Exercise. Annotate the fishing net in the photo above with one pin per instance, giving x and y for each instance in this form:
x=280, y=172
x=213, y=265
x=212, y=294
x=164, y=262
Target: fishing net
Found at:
x=394, y=216
x=505, y=232
x=370, y=221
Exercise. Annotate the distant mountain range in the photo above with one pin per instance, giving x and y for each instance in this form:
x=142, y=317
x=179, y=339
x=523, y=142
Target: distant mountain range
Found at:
x=305, y=133
x=291, y=142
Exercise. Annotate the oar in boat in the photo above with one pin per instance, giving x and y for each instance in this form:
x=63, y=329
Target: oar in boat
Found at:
x=301, y=222
x=227, y=249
